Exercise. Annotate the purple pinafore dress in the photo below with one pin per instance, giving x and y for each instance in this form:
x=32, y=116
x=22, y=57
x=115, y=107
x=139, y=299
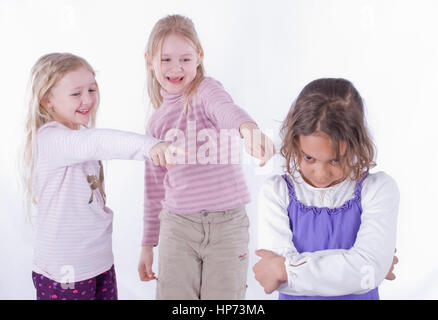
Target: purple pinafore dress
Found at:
x=316, y=228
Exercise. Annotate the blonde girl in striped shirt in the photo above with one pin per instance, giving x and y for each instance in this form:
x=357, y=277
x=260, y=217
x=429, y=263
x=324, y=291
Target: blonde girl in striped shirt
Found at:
x=195, y=212
x=63, y=177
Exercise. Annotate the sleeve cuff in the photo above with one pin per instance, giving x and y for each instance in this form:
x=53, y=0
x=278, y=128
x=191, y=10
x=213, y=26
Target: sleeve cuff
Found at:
x=150, y=143
x=293, y=264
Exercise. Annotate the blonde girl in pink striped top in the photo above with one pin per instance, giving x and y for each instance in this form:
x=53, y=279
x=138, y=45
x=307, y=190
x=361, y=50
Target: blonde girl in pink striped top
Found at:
x=196, y=210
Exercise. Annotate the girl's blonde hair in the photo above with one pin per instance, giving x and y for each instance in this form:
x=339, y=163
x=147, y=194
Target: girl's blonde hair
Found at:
x=45, y=74
x=181, y=26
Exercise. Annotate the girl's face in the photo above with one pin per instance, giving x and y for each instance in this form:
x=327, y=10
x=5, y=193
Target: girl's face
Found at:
x=318, y=164
x=73, y=99
x=176, y=68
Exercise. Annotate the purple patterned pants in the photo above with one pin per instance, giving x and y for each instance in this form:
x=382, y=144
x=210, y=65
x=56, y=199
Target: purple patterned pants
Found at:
x=101, y=287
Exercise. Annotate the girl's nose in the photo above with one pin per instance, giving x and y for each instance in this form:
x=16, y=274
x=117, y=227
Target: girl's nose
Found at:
x=87, y=98
x=321, y=174
x=177, y=65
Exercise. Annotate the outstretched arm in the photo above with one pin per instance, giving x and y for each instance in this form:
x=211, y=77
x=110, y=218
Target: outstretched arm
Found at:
x=225, y=114
x=63, y=146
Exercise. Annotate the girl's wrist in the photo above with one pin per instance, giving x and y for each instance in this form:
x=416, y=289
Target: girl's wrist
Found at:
x=282, y=269
x=246, y=128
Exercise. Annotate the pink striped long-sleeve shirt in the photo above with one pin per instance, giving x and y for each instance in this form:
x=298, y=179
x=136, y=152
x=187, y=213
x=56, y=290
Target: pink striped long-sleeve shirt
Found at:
x=208, y=177
x=73, y=225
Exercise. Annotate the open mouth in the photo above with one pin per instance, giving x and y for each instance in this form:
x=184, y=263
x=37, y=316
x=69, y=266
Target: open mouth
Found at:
x=83, y=111
x=175, y=80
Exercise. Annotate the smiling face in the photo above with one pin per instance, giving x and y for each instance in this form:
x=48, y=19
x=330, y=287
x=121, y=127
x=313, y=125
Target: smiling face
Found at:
x=73, y=99
x=318, y=163
x=176, y=68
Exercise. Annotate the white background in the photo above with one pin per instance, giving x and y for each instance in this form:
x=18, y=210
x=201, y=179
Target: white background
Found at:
x=263, y=52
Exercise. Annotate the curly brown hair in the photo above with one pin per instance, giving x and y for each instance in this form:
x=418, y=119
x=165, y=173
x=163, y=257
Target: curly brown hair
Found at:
x=334, y=107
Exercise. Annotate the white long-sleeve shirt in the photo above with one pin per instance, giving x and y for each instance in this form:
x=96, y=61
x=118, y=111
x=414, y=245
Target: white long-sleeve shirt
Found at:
x=332, y=272
x=74, y=227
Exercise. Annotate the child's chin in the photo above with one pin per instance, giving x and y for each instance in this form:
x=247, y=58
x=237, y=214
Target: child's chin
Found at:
x=174, y=90
x=82, y=123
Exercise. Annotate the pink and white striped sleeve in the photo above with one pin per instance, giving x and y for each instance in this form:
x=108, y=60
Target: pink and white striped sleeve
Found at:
x=154, y=193
x=220, y=107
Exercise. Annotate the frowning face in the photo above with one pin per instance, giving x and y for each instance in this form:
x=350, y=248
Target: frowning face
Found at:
x=318, y=163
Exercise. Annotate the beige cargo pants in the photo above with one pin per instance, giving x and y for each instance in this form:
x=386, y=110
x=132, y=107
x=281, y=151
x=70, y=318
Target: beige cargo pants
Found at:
x=203, y=255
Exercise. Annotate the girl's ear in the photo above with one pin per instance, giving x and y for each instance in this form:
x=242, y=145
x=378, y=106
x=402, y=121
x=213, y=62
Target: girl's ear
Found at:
x=46, y=103
x=201, y=57
x=148, y=60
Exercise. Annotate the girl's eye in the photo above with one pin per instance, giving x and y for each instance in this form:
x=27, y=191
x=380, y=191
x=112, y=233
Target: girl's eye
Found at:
x=76, y=94
x=165, y=60
x=308, y=158
x=186, y=60
x=92, y=90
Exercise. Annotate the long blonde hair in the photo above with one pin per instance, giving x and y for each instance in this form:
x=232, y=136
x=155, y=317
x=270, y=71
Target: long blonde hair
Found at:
x=178, y=25
x=45, y=74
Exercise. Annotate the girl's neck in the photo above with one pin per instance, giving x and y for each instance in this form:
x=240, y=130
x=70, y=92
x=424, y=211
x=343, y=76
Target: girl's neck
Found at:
x=171, y=97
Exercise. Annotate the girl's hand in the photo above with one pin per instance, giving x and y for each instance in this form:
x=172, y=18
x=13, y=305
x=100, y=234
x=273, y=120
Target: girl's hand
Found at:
x=391, y=275
x=257, y=143
x=162, y=154
x=270, y=271
x=145, y=264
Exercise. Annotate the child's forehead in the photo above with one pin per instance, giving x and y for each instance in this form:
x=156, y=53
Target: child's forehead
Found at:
x=77, y=78
x=320, y=146
x=175, y=43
